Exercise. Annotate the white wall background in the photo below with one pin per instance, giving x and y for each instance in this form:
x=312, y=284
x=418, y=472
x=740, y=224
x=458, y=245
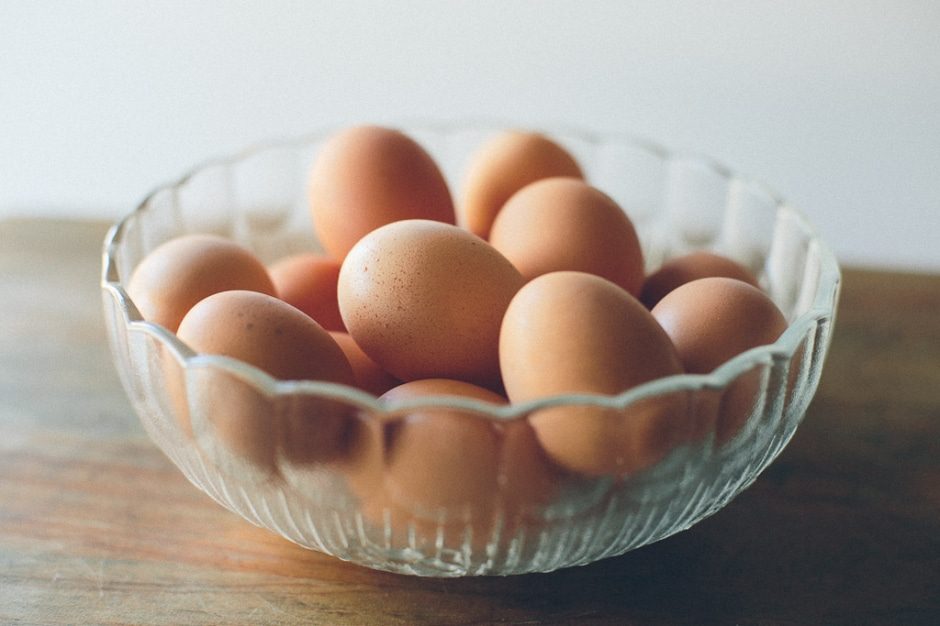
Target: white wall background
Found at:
x=835, y=103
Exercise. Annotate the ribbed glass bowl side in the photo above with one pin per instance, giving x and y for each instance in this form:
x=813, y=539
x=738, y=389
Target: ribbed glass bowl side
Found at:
x=678, y=203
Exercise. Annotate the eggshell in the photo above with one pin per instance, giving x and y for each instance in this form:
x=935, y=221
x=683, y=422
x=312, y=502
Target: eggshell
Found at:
x=572, y=332
x=689, y=267
x=368, y=374
x=287, y=344
x=442, y=458
x=367, y=176
x=528, y=479
x=182, y=271
x=502, y=166
x=236, y=427
x=425, y=300
x=710, y=321
x=308, y=282
x=448, y=470
x=559, y=223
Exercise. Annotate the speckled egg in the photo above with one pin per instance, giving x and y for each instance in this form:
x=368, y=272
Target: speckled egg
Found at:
x=425, y=300
x=277, y=338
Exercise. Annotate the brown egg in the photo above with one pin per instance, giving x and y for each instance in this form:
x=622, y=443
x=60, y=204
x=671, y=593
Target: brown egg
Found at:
x=367, y=176
x=369, y=376
x=504, y=165
x=711, y=320
x=287, y=344
x=233, y=424
x=425, y=300
x=558, y=224
x=528, y=479
x=689, y=267
x=364, y=466
x=572, y=332
x=449, y=466
x=308, y=282
x=181, y=272
x=442, y=458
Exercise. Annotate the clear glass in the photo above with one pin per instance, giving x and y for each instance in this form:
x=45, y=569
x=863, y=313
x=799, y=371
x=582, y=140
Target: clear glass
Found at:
x=745, y=412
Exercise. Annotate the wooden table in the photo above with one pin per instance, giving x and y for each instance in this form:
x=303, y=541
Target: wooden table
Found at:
x=96, y=526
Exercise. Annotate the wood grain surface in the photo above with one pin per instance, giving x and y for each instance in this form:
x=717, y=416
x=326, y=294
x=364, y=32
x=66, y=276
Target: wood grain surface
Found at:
x=97, y=527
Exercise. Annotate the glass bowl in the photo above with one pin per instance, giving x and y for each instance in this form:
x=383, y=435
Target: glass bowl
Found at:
x=678, y=203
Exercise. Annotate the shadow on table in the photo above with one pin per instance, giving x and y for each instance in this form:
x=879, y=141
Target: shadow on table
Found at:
x=795, y=547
